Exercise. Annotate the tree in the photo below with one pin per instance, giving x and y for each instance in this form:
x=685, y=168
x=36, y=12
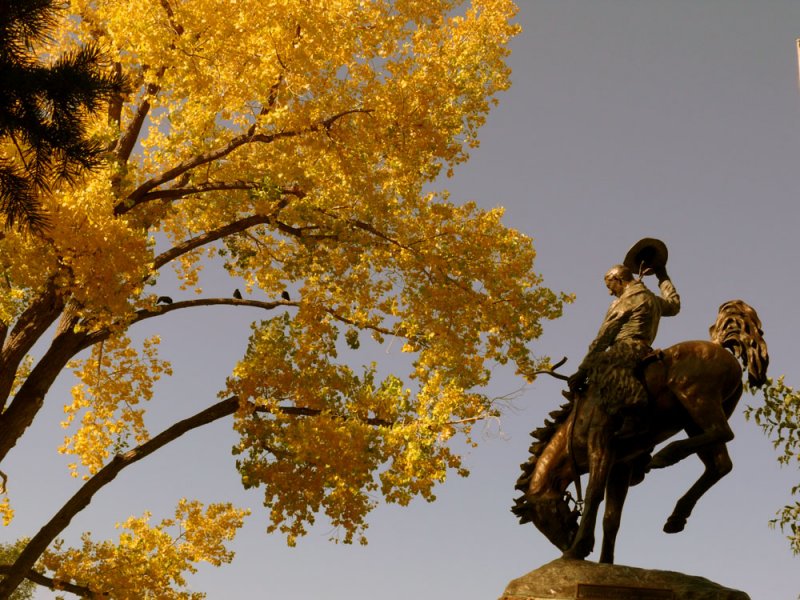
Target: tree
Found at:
x=8, y=554
x=299, y=142
x=44, y=109
x=779, y=417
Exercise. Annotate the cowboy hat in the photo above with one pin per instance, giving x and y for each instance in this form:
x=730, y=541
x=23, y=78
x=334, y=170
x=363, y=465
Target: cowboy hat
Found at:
x=646, y=255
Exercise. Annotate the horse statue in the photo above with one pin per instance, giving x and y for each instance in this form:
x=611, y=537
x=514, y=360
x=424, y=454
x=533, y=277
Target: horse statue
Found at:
x=693, y=386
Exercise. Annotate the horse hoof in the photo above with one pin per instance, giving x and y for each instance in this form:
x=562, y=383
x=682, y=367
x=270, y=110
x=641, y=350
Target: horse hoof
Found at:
x=674, y=525
x=580, y=550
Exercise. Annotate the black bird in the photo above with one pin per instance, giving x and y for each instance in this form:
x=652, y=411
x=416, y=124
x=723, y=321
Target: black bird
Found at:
x=237, y=294
x=164, y=300
x=285, y=295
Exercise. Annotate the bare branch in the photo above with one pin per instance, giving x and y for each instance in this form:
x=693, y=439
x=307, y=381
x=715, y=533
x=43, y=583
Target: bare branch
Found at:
x=552, y=371
x=167, y=308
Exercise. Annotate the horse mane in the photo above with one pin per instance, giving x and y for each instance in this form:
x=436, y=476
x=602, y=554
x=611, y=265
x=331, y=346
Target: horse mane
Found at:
x=541, y=437
x=738, y=329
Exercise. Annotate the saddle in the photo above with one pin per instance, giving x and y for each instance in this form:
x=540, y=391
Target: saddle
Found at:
x=656, y=355
x=648, y=359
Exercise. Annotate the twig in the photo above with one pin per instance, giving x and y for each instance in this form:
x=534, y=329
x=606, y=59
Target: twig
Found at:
x=552, y=371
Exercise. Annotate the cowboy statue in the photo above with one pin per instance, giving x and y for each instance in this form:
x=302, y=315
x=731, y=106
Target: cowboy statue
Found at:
x=611, y=365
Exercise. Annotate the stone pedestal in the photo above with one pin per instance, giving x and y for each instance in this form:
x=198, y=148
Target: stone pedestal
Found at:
x=565, y=579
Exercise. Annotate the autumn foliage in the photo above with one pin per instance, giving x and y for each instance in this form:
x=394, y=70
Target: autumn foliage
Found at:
x=297, y=141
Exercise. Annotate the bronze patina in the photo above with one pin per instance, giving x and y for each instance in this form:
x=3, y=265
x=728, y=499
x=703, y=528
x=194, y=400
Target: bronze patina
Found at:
x=692, y=386
x=627, y=331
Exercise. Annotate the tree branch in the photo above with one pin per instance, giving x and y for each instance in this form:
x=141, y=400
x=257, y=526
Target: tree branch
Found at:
x=115, y=102
x=178, y=192
x=163, y=309
x=53, y=584
x=128, y=139
x=136, y=196
x=208, y=237
x=382, y=330
x=230, y=229
x=22, y=567
x=315, y=412
x=81, y=499
x=30, y=326
x=30, y=397
x=208, y=186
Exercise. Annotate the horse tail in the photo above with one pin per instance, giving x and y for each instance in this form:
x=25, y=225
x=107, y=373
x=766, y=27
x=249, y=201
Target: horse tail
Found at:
x=738, y=329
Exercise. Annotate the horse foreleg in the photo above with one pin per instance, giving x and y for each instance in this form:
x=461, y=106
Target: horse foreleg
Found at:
x=600, y=460
x=718, y=464
x=616, y=491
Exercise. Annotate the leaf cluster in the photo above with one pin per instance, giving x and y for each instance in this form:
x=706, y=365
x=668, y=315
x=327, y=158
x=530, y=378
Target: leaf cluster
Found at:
x=149, y=561
x=779, y=418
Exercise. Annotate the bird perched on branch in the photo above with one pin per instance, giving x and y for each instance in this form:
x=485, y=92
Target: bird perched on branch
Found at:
x=237, y=294
x=285, y=295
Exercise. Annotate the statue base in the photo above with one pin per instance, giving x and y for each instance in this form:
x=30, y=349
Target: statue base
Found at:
x=565, y=579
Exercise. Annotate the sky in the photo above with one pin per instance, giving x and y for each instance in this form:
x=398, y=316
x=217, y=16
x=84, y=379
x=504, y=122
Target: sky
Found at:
x=678, y=120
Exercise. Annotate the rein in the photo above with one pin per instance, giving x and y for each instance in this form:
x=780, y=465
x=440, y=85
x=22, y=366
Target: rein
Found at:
x=571, y=454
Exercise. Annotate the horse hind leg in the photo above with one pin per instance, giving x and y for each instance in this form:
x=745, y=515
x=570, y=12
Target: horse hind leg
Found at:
x=718, y=464
x=709, y=428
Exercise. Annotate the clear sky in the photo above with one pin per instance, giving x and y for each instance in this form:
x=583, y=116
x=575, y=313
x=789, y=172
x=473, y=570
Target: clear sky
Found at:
x=673, y=119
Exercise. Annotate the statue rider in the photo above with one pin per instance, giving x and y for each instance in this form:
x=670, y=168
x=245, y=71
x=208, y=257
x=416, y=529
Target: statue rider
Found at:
x=626, y=335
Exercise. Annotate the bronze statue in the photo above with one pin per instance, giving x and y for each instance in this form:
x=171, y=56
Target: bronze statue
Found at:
x=628, y=330
x=692, y=386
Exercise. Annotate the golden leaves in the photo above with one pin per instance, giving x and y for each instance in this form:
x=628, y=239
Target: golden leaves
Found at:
x=150, y=561
x=115, y=379
x=6, y=512
x=296, y=140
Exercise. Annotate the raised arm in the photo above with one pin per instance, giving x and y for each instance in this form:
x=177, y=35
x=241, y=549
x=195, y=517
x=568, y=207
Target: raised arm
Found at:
x=670, y=301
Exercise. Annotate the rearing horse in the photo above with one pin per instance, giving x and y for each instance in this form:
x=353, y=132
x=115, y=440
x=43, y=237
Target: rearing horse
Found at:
x=693, y=386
